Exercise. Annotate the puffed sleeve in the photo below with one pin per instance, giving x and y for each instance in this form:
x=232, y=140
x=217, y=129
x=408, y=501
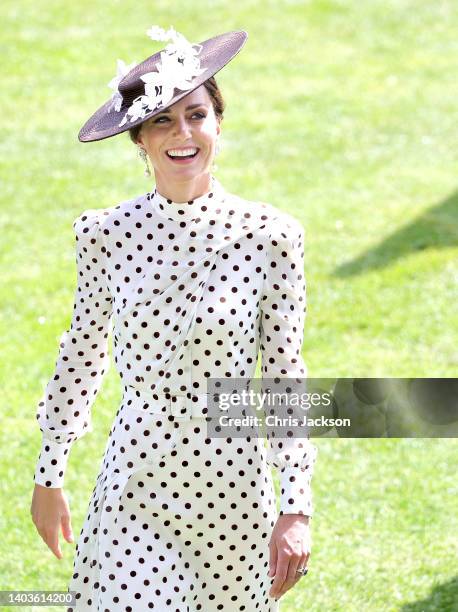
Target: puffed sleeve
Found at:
x=283, y=308
x=64, y=409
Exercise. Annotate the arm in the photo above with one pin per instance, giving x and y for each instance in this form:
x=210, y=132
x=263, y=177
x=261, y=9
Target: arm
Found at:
x=282, y=329
x=64, y=409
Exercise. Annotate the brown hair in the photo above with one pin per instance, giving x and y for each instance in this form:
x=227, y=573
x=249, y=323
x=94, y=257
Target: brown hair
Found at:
x=215, y=96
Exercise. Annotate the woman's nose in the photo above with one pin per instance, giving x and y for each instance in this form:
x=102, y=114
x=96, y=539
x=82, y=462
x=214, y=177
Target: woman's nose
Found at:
x=182, y=126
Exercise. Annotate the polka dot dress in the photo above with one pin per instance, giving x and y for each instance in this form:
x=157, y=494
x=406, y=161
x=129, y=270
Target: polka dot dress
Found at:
x=178, y=520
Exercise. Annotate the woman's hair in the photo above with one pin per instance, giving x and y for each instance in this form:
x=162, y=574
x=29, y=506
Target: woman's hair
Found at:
x=215, y=97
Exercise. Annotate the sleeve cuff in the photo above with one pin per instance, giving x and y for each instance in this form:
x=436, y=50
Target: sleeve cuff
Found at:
x=296, y=492
x=52, y=463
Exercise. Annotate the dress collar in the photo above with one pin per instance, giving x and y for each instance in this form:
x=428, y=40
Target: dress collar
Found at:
x=201, y=207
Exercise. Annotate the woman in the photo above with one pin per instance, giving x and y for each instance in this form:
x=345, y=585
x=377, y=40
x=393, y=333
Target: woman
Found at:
x=195, y=280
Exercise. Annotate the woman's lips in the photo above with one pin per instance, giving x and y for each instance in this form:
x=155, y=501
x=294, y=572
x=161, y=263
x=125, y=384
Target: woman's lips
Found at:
x=183, y=160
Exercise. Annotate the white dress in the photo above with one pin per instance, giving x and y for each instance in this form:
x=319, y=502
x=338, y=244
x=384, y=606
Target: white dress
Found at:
x=177, y=520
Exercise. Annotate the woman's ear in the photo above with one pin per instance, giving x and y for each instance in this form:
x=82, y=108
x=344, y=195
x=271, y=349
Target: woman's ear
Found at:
x=139, y=138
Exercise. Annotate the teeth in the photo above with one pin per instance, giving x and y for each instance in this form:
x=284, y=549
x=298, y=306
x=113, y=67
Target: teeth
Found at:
x=181, y=153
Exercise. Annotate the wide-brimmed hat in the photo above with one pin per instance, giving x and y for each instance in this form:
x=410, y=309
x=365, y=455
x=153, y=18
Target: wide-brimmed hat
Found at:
x=146, y=89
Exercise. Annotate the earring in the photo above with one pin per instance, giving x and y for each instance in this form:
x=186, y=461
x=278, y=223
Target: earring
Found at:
x=217, y=150
x=143, y=156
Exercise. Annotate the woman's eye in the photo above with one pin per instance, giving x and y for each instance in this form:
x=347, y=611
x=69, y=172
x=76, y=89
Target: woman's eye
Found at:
x=199, y=115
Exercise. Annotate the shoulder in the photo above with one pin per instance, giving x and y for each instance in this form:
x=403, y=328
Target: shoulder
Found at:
x=286, y=228
x=87, y=223
x=92, y=220
x=279, y=224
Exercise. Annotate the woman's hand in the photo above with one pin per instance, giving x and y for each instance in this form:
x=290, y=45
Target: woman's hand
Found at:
x=50, y=512
x=290, y=547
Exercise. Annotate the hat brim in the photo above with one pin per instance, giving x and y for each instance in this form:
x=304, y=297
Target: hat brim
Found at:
x=216, y=52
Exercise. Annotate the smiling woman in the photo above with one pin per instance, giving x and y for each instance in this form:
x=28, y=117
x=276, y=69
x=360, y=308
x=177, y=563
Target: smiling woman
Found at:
x=180, y=142
x=197, y=281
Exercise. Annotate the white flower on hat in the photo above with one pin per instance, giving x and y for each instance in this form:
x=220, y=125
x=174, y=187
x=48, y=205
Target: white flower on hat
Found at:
x=171, y=74
x=177, y=66
x=123, y=69
x=157, y=33
x=137, y=108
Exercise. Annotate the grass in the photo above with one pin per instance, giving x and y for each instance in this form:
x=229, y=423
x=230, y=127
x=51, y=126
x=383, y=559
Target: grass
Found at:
x=340, y=112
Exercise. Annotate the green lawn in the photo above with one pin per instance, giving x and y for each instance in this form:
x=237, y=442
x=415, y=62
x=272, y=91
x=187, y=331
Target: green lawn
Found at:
x=342, y=113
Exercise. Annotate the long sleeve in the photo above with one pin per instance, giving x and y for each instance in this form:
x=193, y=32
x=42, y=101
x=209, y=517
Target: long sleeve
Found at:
x=64, y=410
x=282, y=329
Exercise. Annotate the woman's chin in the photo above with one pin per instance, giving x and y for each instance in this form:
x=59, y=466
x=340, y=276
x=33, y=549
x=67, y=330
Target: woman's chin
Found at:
x=188, y=171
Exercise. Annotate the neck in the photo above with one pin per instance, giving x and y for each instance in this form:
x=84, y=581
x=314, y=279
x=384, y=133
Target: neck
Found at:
x=185, y=190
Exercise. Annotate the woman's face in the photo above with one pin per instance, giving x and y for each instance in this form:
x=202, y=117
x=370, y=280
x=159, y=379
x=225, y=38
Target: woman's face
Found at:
x=190, y=123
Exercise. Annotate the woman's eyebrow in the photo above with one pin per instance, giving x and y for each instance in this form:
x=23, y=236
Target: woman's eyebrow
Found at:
x=190, y=107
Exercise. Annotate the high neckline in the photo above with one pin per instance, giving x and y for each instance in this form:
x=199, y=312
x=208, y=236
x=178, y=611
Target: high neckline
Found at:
x=187, y=211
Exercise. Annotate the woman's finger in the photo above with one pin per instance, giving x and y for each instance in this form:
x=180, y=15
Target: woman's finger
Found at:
x=53, y=542
x=280, y=574
x=293, y=575
x=67, y=531
x=272, y=558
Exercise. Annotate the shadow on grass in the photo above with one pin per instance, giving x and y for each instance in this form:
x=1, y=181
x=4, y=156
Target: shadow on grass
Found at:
x=436, y=228
x=443, y=597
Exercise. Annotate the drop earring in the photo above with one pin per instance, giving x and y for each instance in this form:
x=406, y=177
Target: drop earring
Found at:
x=217, y=150
x=143, y=156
